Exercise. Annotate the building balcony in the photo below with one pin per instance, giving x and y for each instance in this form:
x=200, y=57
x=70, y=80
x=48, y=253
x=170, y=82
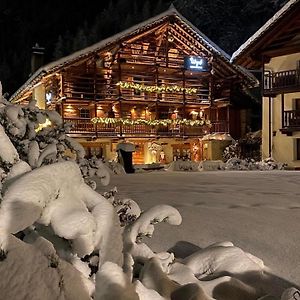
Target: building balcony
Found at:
x=83, y=127
x=291, y=122
x=275, y=83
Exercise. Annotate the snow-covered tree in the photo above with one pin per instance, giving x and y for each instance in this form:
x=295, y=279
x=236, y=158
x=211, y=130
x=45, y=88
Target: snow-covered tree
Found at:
x=40, y=138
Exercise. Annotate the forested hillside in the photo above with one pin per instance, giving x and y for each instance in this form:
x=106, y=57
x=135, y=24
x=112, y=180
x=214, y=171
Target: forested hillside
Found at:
x=65, y=26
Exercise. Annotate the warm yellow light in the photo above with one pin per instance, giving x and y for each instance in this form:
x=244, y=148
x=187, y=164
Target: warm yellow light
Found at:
x=43, y=125
x=170, y=38
x=114, y=108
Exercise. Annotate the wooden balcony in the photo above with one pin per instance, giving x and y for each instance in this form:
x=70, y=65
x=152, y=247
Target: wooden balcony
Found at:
x=89, y=87
x=281, y=82
x=291, y=122
x=85, y=128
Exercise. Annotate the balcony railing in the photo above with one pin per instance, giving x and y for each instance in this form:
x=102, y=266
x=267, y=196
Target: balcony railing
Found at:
x=291, y=118
x=83, y=126
x=284, y=81
x=291, y=121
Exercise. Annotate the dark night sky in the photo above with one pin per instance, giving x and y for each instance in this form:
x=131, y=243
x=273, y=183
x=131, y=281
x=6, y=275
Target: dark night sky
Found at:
x=81, y=23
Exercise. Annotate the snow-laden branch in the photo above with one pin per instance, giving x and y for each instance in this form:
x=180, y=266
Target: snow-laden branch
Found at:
x=216, y=260
x=113, y=284
x=75, y=212
x=8, y=152
x=144, y=226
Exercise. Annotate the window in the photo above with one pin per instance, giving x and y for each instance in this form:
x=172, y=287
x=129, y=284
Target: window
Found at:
x=84, y=113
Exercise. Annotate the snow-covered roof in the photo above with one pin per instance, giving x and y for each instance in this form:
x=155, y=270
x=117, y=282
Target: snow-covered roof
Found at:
x=86, y=52
x=271, y=22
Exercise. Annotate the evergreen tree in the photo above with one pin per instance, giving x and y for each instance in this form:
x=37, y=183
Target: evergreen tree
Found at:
x=228, y=23
x=80, y=40
x=158, y=8
x=59, y=50
x=146, y=12
x=68, y=42
x=128, y=21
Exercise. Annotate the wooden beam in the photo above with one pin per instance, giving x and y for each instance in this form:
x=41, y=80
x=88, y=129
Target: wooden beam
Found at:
x=281, y=51
x=143, y=34
x=160, y=39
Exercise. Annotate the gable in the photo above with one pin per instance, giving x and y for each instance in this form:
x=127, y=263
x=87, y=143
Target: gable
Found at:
x=279, y=36
x=168, y=30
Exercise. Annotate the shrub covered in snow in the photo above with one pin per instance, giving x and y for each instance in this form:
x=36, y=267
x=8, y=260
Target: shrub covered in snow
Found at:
x=40, y=138
x=115, y=167
x=183, y=165
x=247, y=147
x=250, y=164
x=270, y=164
x=59, y=239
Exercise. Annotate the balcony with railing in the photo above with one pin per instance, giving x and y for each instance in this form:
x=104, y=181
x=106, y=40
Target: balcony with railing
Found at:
x=281, y=82
x=291, y=121
x=85, y=127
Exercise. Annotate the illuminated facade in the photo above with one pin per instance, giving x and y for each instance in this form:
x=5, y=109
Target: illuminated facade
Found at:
x=161, y=81
x=275, y=50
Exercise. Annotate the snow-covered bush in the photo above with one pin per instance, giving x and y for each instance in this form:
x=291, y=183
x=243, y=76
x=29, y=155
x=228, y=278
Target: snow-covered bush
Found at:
x=183, y=165
x=127, y=209
x=115, y=167
x=247, y=147
x=59, y=239
x=267, y=164
x=40, y=138
x=231, y=151
x=270, y=164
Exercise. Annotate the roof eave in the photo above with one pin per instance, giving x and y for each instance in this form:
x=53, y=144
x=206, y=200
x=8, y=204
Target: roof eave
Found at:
x=249, y=45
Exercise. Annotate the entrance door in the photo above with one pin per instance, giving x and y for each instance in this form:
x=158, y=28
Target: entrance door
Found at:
x=138, y=155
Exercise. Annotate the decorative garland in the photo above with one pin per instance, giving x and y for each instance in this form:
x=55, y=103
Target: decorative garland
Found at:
x=155, y=88
x=163, y=122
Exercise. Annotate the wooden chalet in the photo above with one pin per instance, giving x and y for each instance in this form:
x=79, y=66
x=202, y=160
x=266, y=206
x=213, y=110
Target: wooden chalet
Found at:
x=275, y=50
x=161, y=81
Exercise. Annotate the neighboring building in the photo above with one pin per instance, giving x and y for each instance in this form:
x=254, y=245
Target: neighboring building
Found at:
x=161, y=85
x=275, y=49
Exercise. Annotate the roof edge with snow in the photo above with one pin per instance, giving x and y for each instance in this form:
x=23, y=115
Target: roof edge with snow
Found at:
x=261, y=31
x=69, y=59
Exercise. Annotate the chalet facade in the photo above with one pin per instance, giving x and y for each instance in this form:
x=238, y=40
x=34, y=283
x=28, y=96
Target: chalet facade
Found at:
x=161, y=82
x=275, y=49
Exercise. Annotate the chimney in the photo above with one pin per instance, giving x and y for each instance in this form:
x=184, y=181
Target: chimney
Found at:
x=37, y=57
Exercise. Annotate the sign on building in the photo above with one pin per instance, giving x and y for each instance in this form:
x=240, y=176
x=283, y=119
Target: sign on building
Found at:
x=196, y=63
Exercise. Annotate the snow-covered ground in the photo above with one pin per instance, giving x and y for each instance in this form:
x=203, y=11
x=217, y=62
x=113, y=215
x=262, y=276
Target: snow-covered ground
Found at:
x=256, y=210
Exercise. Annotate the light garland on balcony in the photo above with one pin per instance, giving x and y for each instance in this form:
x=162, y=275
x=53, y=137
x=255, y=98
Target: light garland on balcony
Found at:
x=164, y=122
x=156, y=88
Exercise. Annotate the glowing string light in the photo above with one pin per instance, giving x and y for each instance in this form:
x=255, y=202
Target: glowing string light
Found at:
x=155, y=88
x=163, y=122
